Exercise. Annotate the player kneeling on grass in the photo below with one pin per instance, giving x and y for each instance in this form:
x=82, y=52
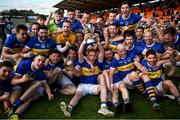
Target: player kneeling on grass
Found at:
x=29, y=76
x=156, y=73
x=88, y=80
x=5, y=83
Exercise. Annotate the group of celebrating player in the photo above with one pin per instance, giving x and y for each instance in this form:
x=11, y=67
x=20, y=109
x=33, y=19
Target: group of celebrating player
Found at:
x=78, y=58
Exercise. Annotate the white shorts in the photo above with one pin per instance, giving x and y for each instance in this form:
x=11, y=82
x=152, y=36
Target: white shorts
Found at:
x=129, y=83
x=117, y=84
x=65, y=81
x=87, y=89
x=178, y=64
x=40, y=90
x=159, y=89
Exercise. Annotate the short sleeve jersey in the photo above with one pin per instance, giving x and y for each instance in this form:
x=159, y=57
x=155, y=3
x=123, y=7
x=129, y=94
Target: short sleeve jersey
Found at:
x=25, y=67
x=128, y=24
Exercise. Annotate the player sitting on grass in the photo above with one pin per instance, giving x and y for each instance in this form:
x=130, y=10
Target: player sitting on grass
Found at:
x=156, y=75
x=29, y=76
x=89, y=80
x=54, y=72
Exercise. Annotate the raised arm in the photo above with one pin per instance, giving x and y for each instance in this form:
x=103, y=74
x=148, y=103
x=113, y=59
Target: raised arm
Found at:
x=106, y=37
x=159, y=32
x=101, y=52
x=81, y=49
x=48, y=19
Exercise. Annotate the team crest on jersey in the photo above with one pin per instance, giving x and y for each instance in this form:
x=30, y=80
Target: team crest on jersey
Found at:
x=126, y=23
x=37, y=45
x=43, y=45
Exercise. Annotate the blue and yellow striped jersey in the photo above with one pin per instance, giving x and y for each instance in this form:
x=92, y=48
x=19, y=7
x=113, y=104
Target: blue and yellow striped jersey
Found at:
x=5, y=85
x=89, y=76
x=41, y=47
x=123, y=67
x=158, y=47
x=50, y=66
x=14, y=44
x=106, y=64
x=176, y=44
x=137, y=50
x=74, y=24
x=24, y=67
x=155, y=74
x=138, y=42
x=129, y=24
x=113, y=45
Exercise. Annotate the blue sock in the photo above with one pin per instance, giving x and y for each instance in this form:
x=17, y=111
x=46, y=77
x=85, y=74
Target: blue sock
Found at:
x=178, y=99
x=151, y=92
x=139, y=86
x=18, y=103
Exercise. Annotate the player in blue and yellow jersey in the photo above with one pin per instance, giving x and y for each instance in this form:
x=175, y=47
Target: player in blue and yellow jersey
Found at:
x=40, y=44
x=123, y=75
x=112, y=38
x=108, y=57
x=128, y=20
x=139, y=36
x=172, y=38
x=34, y=29
x=54, y=71
x=15, y=43
x=70, y=17
x=130, y=45
x=151, y=44
x=112, y=93
x=157, y=76
x=172, y=41
x=29, y=77
x=84, y=25
x=53, y=67
x=90, y=75
x=72, y=56
x=5, y=83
